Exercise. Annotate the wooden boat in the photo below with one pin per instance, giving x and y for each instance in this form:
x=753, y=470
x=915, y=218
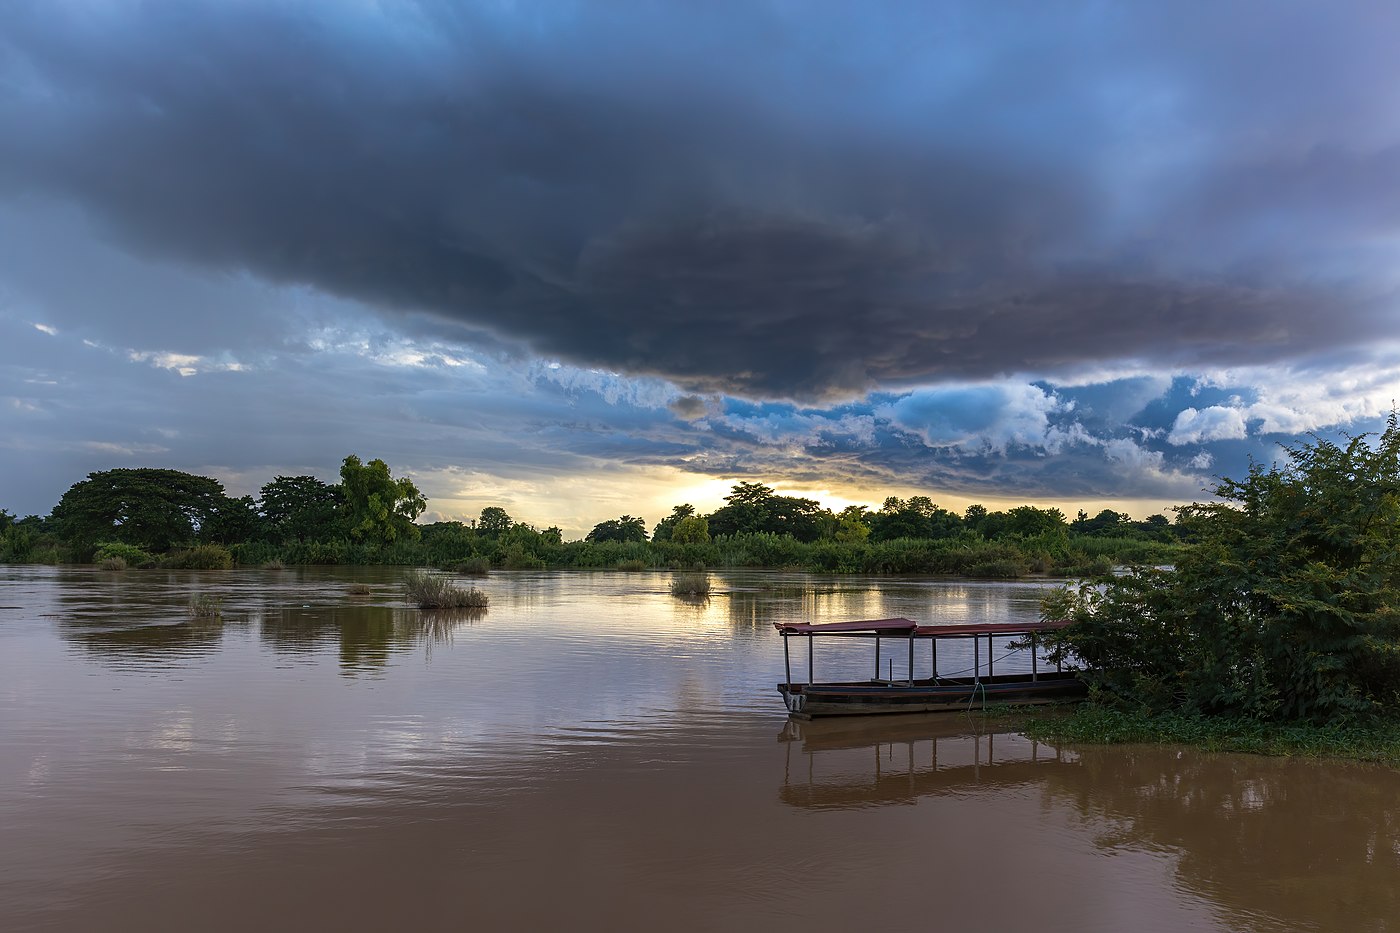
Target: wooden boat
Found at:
x=974, y=686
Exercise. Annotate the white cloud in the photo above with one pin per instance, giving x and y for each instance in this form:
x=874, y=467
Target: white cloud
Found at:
x=1216, y=423
x=983, y=418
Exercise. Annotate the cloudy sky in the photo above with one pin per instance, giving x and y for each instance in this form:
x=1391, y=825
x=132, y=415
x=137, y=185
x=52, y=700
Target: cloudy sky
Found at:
x=580, y=259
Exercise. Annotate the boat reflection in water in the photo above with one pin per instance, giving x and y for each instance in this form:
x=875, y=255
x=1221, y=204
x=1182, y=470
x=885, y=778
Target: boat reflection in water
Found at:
x=837, y=764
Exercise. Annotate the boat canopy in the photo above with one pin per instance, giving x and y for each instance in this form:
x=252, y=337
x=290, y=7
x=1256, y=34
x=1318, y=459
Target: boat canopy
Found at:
x=908, y=628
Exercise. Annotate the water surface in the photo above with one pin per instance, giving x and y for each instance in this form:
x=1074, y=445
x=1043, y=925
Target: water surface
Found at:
x=593, y=753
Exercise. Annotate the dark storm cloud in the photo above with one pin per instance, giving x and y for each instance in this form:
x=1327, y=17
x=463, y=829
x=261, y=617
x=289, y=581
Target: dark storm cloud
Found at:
x=758, y=199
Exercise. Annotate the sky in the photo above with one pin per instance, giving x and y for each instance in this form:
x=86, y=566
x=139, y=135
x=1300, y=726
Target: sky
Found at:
x=586, y=259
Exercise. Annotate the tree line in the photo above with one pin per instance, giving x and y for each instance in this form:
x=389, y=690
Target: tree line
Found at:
x=148, y=516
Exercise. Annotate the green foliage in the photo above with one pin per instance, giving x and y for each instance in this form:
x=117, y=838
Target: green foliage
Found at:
x=1282, y=607
x=152, y=509
x=918, y=517
x=433, y=591
x=377, y=507
x=632, y=566
x=300, y=508
x=202, y=557
x=474, y=567
x=692, y=529
x=754, y=508
x=1376, y=741
x=206, y=606
x=129, y=554
x=17, y=545
x=664, y=528
x=494, y=521
x=626, y=528
x=690, y=585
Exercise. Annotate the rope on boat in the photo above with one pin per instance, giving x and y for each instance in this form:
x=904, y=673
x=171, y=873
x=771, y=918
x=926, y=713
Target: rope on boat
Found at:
x=994, y=661
x=973, y=697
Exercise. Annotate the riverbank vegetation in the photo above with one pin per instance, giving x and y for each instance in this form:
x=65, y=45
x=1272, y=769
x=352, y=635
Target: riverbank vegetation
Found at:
x=1278, y=627
x=164, y=518
x=1377, y=739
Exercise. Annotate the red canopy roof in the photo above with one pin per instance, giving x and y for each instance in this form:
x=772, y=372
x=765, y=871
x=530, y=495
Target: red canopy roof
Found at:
x=901, y=626
x=908, y=627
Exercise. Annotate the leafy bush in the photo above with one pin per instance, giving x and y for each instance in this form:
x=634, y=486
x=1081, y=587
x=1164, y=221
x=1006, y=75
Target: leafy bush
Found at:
x=202, y=557
x=632, y=565
x=433, y=591
x=473, y=567
x=111, y=563
x=129, y=554
x=1282, y=607
x=16, y=545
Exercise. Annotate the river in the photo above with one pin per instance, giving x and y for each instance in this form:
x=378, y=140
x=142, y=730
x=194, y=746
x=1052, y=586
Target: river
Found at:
x=593, y=753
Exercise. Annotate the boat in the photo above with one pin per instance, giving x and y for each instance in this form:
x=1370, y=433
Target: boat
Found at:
x=971, y=686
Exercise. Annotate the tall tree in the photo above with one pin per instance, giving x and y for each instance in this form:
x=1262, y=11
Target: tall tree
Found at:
x=150, y=508
x=494, y=521
x=300, y=508
x=663, y=529
x=624, y=529
x=377, y=507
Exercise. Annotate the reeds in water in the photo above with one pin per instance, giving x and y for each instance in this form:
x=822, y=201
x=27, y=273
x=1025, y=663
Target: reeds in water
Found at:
x=432, y=591
x=206, y=606
x=690, y=585
x=360, y=589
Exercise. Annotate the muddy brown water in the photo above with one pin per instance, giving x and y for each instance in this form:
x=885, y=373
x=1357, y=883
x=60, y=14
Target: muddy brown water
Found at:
x=592, y=753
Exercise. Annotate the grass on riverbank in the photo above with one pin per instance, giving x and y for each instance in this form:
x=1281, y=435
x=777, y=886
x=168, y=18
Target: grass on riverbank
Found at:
x=1097, y=725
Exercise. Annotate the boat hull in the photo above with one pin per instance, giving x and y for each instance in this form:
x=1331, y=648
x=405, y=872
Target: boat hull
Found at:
x=808, y=701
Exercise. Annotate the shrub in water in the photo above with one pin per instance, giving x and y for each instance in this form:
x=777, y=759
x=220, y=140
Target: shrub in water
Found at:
x=690, y=585
x=129, y=554
x=360, y=589
x=631, y=565
x=203, y=557
x=206, y=606
x=112, y=563
x=432, y=591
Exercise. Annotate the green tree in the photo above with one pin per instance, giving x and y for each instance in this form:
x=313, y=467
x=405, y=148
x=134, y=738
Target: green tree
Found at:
x=494, y=521
x=377, y=507
x=150, y=508
x=300, y=508
x=747, y=510
x=1285, y=605
x=663, y=529
x=692, y=529
x=623, y=529
x=233, y=521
